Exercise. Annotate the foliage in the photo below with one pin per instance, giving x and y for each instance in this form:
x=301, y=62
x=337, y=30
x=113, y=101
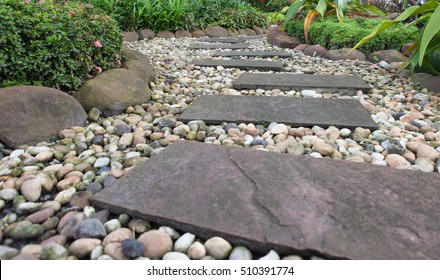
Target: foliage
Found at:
x=428, y=37
x=311, y=9
x=270, y=5
x=276, y=17
x=387, y=6
x=160, y=15
x=52, y=45
x=332, y=34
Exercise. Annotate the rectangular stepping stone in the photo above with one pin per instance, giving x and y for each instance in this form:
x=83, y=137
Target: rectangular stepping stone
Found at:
x=251, y=53
x=219, y=46
x=233, y=40
x=343, y=113
x=242, y=64
x=224, y=40
x=329, y=83
x=292, y=204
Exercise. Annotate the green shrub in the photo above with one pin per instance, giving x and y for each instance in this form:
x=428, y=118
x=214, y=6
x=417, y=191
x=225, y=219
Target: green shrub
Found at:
x=160, y=15
x=332, y=34
x=58, y=46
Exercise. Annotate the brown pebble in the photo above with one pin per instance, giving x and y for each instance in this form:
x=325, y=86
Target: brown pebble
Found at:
x=40, y=216
x=59, y=239
x=81, y=199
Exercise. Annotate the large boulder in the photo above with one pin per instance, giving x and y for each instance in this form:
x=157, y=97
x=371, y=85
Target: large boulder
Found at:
x=430, y=82
x=216, y=31
x=113, y=91
x=198, y=33
x=146, y=34
x=282, y=39
x=344, y=53
x=183, y=34
x=138, y=63
x=30, y=114
x=387, y=55
x=130, y=54
x=144, y=69
x=165, y=34
x=130, y=36
x=316, y=50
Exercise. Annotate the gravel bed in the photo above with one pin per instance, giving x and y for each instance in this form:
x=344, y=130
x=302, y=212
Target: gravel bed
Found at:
x=45, y=189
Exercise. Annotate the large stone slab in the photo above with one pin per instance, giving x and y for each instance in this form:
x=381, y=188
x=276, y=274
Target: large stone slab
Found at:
x=242, y=64
x=233, y=40
x=293, y=204
x=215, y=109
x=219, y=46
x=251, y=53
x=223, y=40
x=329, y=83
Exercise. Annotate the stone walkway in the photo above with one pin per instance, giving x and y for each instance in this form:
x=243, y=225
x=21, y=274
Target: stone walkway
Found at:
x=309, y=192
x=290, y=203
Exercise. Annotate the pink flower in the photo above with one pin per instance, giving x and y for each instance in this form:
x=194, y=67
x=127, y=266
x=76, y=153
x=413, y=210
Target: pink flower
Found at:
x=71, y=13
x=98, y=44
x=99, y=69
x=118, y=62
x=27, y=2
x=41, y=1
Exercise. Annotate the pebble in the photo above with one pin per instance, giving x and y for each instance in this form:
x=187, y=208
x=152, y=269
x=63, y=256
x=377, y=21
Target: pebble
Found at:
x=170, y=231
x=7, y=253
x=118, y=235
x=196, y=251
x=81, y=248
x=184, y=242
x=279, y=129
x=90, y=228
x=112, y=225
x=218, y=248
x=397, y=161
x=97, y=252
x=40, y=216
x=115, y=251
x=132, y=248
x=8, y=194
x=272, y=255
x=101, y=162
x=175, y=256
x=31, y=190
x=156, y=244
x=240, y=253
x=139, y=225
x=53, y=251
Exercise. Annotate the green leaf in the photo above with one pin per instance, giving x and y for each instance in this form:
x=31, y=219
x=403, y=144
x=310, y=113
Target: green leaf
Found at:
x=431, y=28
x=293, y=9
x=342, y=4
x=322, y=7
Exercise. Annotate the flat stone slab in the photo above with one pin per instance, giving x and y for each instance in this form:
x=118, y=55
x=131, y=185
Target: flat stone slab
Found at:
x=251, y=54
x=219, y=46
x=232, y=40
x=328, y=83
x=343, y=113
x=242, y=64
x=293, y=204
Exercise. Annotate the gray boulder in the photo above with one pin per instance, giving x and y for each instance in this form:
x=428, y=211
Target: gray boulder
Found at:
x=31, y=114
x=113, y=91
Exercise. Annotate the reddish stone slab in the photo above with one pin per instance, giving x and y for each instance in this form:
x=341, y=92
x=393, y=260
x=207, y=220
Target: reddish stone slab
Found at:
x=215, y=109
x=294, y=204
